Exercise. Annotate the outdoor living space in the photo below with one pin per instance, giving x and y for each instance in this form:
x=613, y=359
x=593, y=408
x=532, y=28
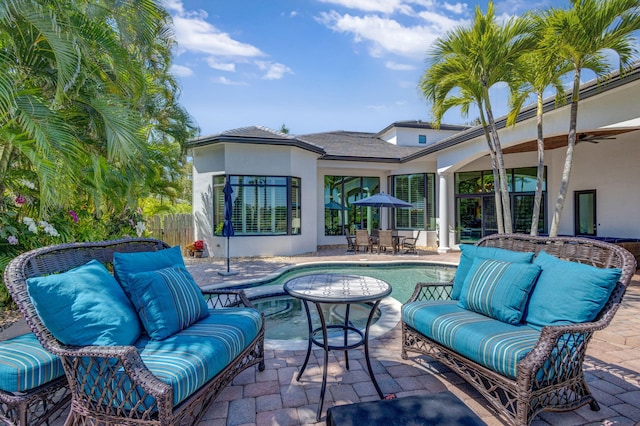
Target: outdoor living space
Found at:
x=274, y=397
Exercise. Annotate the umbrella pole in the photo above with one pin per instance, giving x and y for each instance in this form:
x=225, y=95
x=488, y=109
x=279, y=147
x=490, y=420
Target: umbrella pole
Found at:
x=229, y=272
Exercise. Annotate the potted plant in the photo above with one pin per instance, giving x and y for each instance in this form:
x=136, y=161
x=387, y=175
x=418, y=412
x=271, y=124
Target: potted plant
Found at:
x=195, y=248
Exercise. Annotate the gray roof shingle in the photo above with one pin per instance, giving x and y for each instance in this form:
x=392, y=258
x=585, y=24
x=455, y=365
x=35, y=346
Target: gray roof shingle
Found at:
x=357, y=146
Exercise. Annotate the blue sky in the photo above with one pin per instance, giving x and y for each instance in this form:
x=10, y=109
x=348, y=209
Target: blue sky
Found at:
x=313, y=65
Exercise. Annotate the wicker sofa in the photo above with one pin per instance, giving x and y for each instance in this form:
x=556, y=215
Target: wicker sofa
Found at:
x=520, y=367
x=33, y=388
x=162, y=380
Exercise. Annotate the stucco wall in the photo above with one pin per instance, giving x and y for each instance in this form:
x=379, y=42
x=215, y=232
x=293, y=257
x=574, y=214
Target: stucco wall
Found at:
x=239, y=159
x=610, y=167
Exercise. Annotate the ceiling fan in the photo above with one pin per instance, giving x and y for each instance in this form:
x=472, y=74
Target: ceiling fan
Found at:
x=586, y=137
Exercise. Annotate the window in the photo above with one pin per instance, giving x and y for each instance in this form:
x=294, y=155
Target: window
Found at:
x=419, y=190
x=422, y=139
x=340, y=216
x=475, y=204
x=262, y=205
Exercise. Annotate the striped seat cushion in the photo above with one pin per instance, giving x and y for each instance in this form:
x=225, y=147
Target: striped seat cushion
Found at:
x=25, y=365
x=193, y=356
x=494, y=344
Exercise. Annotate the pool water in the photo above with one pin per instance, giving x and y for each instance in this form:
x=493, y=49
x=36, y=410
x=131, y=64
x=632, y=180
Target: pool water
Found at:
x=285, y=317
x=402, y=277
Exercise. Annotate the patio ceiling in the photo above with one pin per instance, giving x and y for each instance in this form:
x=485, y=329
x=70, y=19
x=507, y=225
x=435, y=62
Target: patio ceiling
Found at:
x=560, y=141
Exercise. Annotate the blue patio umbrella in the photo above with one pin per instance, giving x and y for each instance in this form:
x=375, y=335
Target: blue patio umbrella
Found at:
x=332, y=205
x=382, y=200
x=227, y=228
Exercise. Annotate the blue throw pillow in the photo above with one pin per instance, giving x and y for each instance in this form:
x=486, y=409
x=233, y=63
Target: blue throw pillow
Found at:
x=568, y=292
x=471, y=252
x=168, y=300
x=127, y=264
x=498, y=289
x=85, y=306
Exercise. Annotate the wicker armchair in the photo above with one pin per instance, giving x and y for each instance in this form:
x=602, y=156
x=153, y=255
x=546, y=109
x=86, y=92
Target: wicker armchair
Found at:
x=89, y=368
x=550, y=377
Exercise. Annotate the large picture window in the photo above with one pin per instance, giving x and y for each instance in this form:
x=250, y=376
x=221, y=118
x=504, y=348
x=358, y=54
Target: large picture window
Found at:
x=475, y=205
x=419, y=190
x=340, y=216
x=262, y=205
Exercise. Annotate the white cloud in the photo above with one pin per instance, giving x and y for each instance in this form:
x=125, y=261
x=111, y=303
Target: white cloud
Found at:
x=195, y=34
x=458, y=8
x=384, y=34
x=439, y=22
x=198, y=37
x=227, y=82
x=399, y=67
x=383, y=6
x=181, y=70
x=274, y=71
x=173, y=5
x=293, y=14
x=222, y=66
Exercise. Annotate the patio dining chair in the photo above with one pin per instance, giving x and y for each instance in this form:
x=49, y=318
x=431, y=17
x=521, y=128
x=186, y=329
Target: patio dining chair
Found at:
x=386, y=241
x=351, y=243
x=363, y=240
x=409, y=243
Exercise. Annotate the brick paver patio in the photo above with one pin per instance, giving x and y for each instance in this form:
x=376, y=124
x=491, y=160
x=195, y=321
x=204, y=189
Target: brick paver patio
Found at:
x=274, y=397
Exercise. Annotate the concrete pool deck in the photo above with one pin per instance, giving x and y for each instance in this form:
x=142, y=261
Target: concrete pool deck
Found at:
x=274, y=397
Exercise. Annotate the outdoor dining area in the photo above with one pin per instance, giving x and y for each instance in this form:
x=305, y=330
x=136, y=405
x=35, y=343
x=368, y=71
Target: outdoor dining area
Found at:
x=382, y=240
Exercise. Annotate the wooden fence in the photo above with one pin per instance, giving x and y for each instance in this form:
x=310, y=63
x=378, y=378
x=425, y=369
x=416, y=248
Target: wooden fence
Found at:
x=174, y=229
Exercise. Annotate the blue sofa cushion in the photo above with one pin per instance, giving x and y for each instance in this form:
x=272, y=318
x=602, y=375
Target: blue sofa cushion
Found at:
x=494, y=344
x=568, y=292
x=127, y=264
x=85, y=306
x=192, y=357
x=471, y=252
x=168, y=300
x=498, y=289
x=25, y=364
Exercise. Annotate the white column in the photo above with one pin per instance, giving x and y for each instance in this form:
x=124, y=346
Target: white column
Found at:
x=443, y=214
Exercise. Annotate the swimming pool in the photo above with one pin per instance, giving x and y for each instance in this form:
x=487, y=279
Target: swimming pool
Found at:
x=286, y=323
x=402, y=277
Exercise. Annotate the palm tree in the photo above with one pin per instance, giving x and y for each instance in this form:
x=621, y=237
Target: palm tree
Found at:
x=483, y=54
x=534, y=73
x=454, y=74
x=582, y=35
x=86, y=97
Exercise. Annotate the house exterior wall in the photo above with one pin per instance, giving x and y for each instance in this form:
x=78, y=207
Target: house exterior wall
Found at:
x=246, y=159
x=409, y=137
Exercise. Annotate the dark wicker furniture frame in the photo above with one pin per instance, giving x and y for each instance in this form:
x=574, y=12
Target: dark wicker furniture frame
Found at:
x=36, y=407
x=560, y=351
x=91, y=403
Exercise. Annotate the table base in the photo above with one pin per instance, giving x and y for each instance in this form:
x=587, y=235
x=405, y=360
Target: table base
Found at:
x=324, y=343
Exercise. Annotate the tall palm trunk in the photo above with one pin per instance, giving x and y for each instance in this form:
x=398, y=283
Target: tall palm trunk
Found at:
x=496, y=174
x=504, y=190
x=537, y=199
x=568, y=161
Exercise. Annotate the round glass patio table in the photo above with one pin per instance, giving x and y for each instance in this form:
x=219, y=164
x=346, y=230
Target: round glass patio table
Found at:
x=338, y=289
